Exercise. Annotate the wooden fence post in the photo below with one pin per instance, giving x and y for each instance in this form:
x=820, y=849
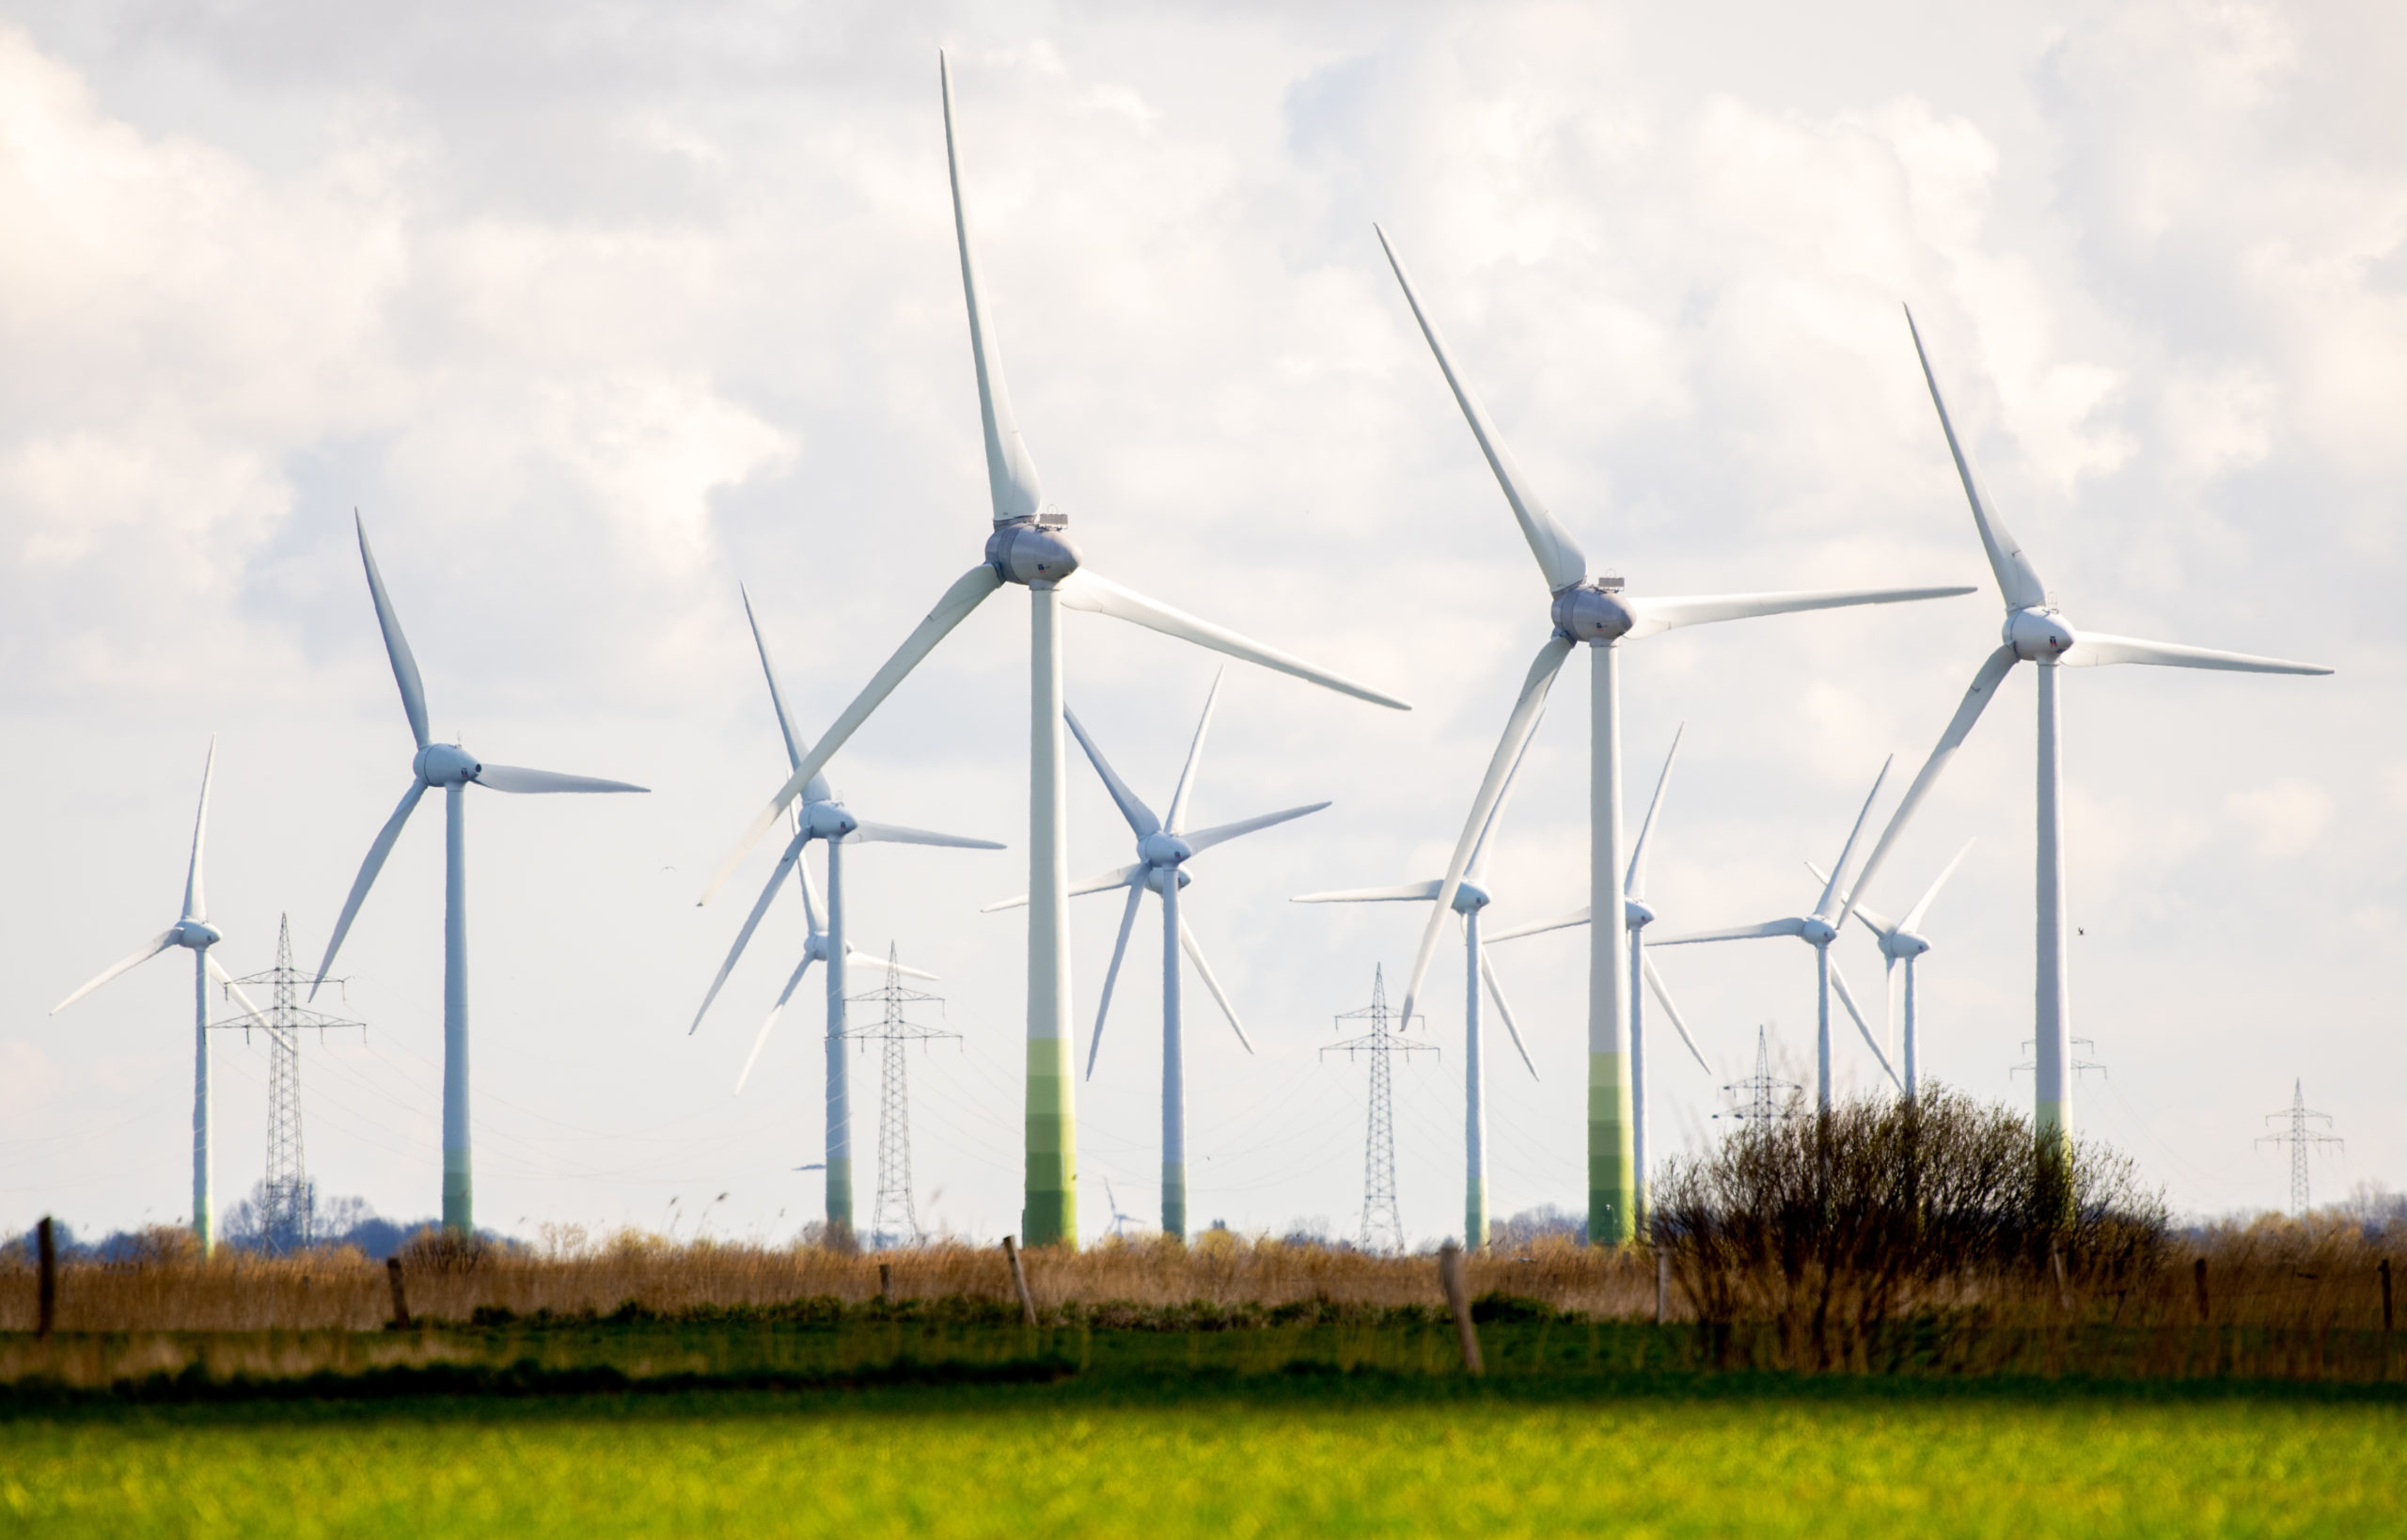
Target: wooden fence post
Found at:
x=1450, y=1272
x=885, y=1283
x=400, y=1300
x=1019, y=1280
x=46, y=1299
x=2199, y=1280
x=1662, y=1287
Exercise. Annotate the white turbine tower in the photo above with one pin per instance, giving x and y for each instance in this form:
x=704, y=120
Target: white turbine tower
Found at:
x=1164, y=845
x=1472, y=896
x=192, y=930
x=1902, y=941
x=1599, y=612
x=1817, y=930
x=820, y=814
x=453, y=769
x=1032, y=549
x=1636, y=916
x=2036, y=630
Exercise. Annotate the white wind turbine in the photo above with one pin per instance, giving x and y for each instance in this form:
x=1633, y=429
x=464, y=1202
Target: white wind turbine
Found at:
x=193, y=931
x=820, y=814
x=454, y=769
x=1636, y=916
x=1817, y=930
x=1902, y=941
x=2036, y=630
x=1599, y=612
x=1032, y=549
x=1472, y=896
x=1164, y=845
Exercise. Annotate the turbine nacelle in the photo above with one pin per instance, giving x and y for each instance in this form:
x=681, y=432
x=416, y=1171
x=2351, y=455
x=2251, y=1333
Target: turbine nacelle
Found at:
x=197, y=935
x=1157, y=877
x=1163, y=848
x=1470, y=898
x=2039, y=635
x=1592, y=611
x=446, y=764
x=1636, y=915
x=1029, y=550
x=1900, y=946
x=830, y=820
x=1818, y=932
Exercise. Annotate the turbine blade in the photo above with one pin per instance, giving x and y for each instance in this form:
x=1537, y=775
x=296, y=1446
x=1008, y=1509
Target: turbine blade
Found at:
x=1838, y=981
x=1504, y=1010
x=217, y=971
x=149, y=949
x=1656, y=616
x=367, y=878
x=1560, y=922
x=1559, y=555
x=1102, y=882
x=1089, y=590
x=396, y=646
x=1132, y=807
x=1477, y=870
x=1663, y=999
x=786, y=726
x=761, y=1038
x=196, y=889
x=1977, y=699
x=1011, y=475
x=752, y=923
x=867, y=959
x=1878, y=923
x=1111, y=975
x=968, y=592
x=1734, y=933
x=1221, y=834
x=516, y=780
x=1518, y=725
x=810, y=896
x=1922, y=905
x=1374, y=895
x=895, y=834
x=2018, y=582
x=1194, y=756
x=2093, y=648
x=1211, y=981
x=1634, y=885
x=1829, y=889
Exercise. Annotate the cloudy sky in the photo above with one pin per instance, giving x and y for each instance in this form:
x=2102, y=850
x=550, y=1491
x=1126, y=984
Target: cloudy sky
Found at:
x=595, y=312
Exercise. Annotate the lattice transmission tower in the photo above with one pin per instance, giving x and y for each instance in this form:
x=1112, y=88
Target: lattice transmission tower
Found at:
x=287, y=1199
x=895, y=1220
x=1758, y=1098
x=2301, y=1138
x=1382, y=1220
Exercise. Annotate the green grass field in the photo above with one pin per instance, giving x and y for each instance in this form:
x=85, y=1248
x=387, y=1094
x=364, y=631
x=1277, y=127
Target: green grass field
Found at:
x=1220, y=1455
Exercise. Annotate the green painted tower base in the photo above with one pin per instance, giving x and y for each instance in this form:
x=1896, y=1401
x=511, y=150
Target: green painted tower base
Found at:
x=1612, y=1209
x=1051, y=1216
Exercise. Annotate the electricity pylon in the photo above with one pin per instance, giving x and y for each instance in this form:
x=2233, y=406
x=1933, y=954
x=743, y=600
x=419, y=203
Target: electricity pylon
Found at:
x=1752, y=1099
x=2301, y=1138
x=288, y=1202
x=1382, y=1220
x=895, y=1220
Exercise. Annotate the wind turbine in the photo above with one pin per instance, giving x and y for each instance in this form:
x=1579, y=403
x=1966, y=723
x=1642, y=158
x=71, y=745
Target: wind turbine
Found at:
x=1636, y=916
x=1164, y=845
x=192, y=930
x=1599, y=612
x=2036, y=630
x=454, y=769
x=1817, y=930
x=821, y=815
x=1471, y=895
x=1033, y=549
x=1902, y=941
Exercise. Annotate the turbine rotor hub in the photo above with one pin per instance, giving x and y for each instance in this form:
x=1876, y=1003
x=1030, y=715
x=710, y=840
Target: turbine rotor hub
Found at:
x=1592, y=612
x=1904, y=944
x=1819, y=932
x=1470, y=898
x=446, y=764
x=1157, y=877
x=1636, y=915
x=1161, y=849
x=198, y=933
x=831, y=821
x=2039, y=635
x=1026, y=550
